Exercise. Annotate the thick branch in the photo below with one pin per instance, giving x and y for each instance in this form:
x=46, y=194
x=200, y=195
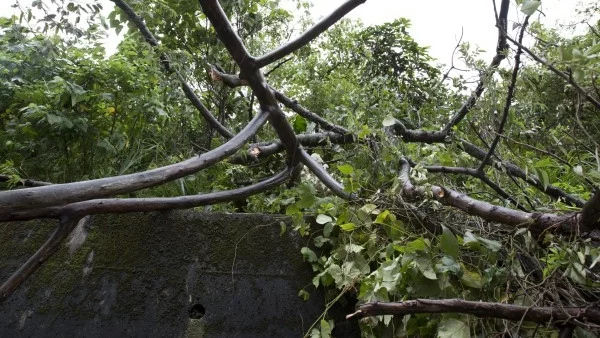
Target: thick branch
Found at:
x=189, y=92
x=266, y=149
x=104, y=206
x=540, y=315
x=537, y=222
x=479, y=175
x=253, y=75
x=35, y=261
x=61, y=194
x=422, y=136
x=309, y=35
x=324, y=176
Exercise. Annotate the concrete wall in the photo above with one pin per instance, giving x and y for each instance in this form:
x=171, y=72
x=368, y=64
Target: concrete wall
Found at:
x=170, y=274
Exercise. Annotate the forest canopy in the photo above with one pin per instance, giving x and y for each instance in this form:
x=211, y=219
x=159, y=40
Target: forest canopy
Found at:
x=417, y=190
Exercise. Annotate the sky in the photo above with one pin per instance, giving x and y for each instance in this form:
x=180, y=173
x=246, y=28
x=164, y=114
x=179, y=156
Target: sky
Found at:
x=435, y=23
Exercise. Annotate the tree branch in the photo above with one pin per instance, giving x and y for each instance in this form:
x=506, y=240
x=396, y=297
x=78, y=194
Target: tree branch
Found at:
x=567, y=77
x=509, y=97
x=515, y=171
x=324, y=176
x=501, y=47
x=309, y=35
x=479, y=175
x=70, y=214
x=34, y=262
x=234, y=81
x=512, y=312
x=189, y=92
x=536, y=222
x=25, y=182
x=61, y=194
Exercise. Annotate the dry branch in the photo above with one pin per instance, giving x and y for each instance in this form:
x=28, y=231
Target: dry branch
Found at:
x=512, y=312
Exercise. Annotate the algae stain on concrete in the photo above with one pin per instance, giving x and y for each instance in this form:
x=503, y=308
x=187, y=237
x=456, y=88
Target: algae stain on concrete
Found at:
x=140, y=274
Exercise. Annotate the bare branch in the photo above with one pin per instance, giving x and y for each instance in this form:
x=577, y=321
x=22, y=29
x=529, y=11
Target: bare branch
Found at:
x=189, y=92
x=266, y=149
x=515, y=171
x=324, y=176
x=234, y=81
x=253, y=75
x=500, y=55
x=40, y=256
x=509, y=97
x=567, y=77
x=307, y=114
x=537, y=222
x=309, y=35
x=479, y=175
x=481, y=309
x=61, y=194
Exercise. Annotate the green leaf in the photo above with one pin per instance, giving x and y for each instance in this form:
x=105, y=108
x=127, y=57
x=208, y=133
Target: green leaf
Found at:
x=309, y=255
x=345, y=169
x=453, y=328
x=370, y=209
x=425, y=265
x=471, y=279
x=325, y=329
x=283, y=227
x=348, y=226
x=449, y=243
x=530, y=6
x=300, y=124
x=389, y=121
x=304, y=295
x=322, y=219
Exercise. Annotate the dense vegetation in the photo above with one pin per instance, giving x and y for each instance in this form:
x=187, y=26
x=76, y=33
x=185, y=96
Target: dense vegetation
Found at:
x=449, y=192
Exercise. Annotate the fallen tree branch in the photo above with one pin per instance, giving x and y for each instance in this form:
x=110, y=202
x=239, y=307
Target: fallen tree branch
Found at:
x=535, y=221
x=61, y=194
x=309, y=35
x=70, y=214
x=512, y=312
x=41, y=255
x=479, y=175
x=324, y=176
x=513, y=170
x=233, y=81
x=265, y=149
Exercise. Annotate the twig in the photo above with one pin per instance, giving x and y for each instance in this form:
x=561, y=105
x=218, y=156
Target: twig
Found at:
x=509, y=97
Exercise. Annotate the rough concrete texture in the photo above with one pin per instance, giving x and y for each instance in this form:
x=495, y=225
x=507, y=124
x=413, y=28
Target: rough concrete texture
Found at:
x=171, y=274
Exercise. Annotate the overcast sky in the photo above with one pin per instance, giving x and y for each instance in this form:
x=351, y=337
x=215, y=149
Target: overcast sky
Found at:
x=435, y=23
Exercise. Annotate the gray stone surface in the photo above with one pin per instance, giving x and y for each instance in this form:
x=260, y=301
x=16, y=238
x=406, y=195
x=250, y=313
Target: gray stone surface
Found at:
x=139, y=275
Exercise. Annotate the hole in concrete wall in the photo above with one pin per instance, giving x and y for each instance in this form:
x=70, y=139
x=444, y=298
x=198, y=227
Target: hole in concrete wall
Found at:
x=197, y=311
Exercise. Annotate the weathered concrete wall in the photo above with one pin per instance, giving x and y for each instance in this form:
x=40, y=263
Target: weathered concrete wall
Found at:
x=146, y=274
